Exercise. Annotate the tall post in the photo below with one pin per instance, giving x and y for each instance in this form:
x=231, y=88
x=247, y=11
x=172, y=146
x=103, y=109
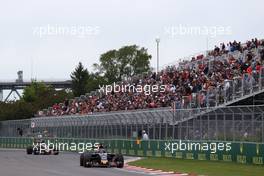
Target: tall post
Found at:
x=1, y=95
x=157, y=41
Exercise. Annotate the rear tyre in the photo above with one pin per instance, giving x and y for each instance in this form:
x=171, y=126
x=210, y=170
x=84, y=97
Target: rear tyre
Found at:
x=81, y=159
x=87, y=161
x=36, y=152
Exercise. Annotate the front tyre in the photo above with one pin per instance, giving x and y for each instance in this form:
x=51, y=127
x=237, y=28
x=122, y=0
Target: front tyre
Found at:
x=55, y=151
x=29, y=150
x=119, y=160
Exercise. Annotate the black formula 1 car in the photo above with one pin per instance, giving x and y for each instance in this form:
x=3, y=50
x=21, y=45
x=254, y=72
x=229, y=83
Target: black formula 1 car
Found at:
x=100, y=157
x=39, y=147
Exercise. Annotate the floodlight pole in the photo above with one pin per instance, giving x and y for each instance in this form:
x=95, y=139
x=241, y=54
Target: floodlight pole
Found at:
x=157, y=41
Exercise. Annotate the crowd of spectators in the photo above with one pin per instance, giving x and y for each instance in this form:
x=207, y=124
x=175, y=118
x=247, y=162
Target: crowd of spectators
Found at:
x=196, y=76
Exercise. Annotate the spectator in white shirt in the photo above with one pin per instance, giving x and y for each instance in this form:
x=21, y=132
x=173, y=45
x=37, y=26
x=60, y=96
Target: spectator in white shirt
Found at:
x=144, y=135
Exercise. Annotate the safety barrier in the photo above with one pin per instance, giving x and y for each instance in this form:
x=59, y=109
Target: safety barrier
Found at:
x=17, y=143
x=240, y=152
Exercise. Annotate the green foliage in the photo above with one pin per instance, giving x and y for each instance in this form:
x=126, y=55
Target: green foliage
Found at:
x=94, y=81
x=80, y=77
x=42, y=96
x=15, y=110
x=85, y=82
x=35, y=97
x=123, y=63
x=114, y=65
x=35, y=91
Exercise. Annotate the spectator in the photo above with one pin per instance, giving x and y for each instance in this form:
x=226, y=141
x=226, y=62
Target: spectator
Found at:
x=144, y=136
x=197, y=80
x=20, y=131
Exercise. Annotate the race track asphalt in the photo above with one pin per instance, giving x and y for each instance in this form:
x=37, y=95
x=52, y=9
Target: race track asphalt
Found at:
x=17, y=163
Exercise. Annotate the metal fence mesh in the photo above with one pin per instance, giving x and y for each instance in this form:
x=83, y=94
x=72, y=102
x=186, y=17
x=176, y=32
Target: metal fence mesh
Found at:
x=239, y=123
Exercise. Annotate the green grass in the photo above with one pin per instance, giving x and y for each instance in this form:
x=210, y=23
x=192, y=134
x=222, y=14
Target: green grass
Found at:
x=209, y=168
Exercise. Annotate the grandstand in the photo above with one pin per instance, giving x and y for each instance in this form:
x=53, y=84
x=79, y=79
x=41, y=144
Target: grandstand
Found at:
x=215, y=96
x=204, y=81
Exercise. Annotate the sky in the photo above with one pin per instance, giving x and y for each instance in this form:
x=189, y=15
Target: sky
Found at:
x=47, y=39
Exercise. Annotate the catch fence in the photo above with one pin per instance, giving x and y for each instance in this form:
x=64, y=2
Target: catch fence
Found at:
x=239, y=123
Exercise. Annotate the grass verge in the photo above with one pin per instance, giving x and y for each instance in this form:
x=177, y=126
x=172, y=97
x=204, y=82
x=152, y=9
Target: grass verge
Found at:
x=209, y=168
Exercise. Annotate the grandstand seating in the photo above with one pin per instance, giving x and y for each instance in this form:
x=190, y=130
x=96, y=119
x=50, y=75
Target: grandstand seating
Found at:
x=222, y=76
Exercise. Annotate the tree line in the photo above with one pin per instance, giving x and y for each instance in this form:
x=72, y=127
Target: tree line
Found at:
x=114, y=65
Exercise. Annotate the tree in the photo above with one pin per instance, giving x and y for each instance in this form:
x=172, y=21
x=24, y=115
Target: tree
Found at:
x=16, y=110
x=80, y=77
x=95, y=80
x=123, y=63
x=35, y=97
x=35, y=91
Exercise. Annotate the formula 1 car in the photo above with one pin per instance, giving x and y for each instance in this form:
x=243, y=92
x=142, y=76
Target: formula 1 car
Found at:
x=100, y=157
x=39, y=147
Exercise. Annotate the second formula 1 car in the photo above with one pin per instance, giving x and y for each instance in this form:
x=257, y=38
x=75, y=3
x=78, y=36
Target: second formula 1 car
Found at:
x=39, y=147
